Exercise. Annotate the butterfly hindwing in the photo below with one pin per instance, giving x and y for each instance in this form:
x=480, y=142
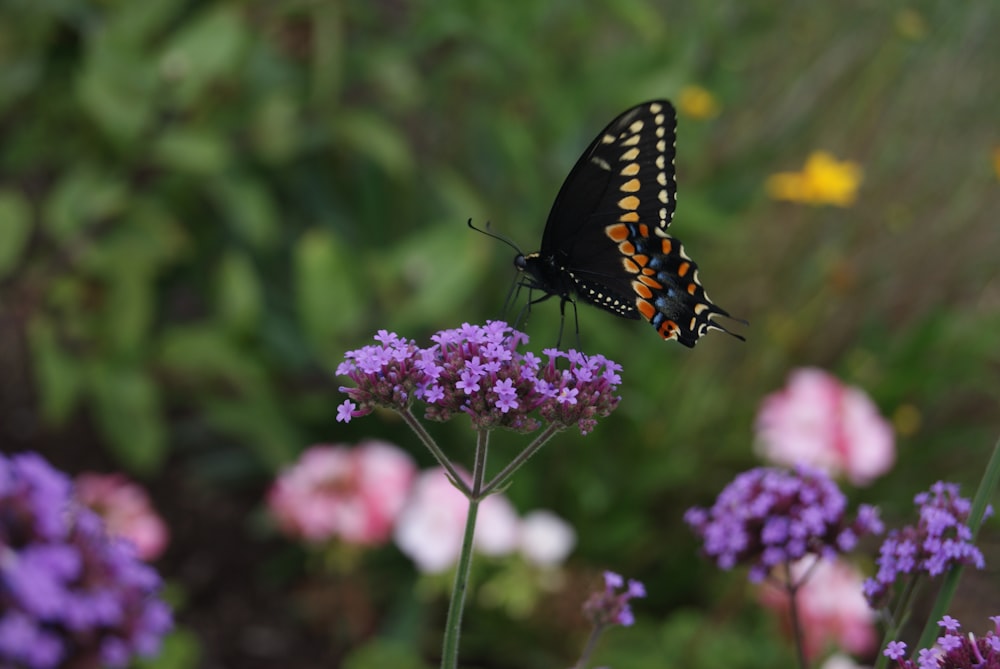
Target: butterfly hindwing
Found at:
x=606, y=237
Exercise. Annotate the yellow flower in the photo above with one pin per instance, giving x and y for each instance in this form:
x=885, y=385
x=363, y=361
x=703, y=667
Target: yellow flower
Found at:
x=698, y=103
x=823, y=180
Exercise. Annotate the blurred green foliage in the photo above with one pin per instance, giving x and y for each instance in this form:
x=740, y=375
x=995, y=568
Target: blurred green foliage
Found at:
x=204, y=204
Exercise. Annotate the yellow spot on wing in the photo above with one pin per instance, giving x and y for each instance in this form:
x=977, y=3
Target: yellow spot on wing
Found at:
x=630, y=217
x=631, y=202
x=630, y=170
x=630, y=186
x=630, y=155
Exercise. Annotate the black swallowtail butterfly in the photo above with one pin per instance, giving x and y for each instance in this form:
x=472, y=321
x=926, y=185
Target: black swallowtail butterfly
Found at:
x=606, y=237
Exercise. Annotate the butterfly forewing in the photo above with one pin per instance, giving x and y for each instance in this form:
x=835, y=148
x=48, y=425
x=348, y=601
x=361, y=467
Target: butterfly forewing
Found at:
x=606, y=240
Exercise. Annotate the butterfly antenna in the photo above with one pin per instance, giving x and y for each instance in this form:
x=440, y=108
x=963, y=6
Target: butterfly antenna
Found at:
x=489, y=233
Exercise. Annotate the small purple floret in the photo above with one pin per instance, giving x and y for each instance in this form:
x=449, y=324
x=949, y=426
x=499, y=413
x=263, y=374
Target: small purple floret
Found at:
x=70, y=595
x=478, y=371
x=940, y=540
x=768, y=517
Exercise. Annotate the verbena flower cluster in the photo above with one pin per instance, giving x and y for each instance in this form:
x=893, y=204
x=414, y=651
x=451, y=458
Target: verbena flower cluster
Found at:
x=477, y=370
x=953, y=650
x=940, y=539
x=768, y=517
x=70, y=595
x=611, y=605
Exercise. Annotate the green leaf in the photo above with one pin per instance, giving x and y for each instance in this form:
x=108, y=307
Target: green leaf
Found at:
x=249, y=209
x=375, y=139
x=83, y=197
x=117, y=87
x=127, y=409
x=197, y=152
x=58, y=375
x=327, y=294
x=381, y=653
x=237, y=291
x=180, y=650
x=274, y=130
x=15, y=229
x=208, y=48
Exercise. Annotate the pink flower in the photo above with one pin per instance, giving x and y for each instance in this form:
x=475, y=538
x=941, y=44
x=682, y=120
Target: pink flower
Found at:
x=354, y=494
x=832, y=609
x=126, y=510
x=546, y=539
x=818, y=421
x=430, y=529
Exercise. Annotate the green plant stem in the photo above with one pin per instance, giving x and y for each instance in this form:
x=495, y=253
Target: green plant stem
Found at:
x=897, y=620
x=588, y=649
x=987, y=489
x=453, y=625
x=507, y=472
x=792, y=589
x=436, y=451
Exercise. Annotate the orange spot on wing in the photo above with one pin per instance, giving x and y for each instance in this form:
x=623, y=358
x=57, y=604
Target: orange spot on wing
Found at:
x=646, y=309
x=630, y=217
x=666, y=246
x=617, y=232
x=627, y=248
x=630, y=266
x=641, y=259
x=642, y=290
x=652, y=283
x=668, y=330
x=691, y=288
x=683, y=268
x=644, y=230
x=648, y=271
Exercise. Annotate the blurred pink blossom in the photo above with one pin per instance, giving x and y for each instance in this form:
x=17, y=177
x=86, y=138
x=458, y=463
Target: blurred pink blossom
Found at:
x=816, y=420
x=832, y=608
x=354, y=494
x=126, y=510
x=546, y=539
x=430, y=529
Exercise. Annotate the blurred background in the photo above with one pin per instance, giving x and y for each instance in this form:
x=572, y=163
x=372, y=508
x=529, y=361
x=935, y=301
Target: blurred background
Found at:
x=204, y=204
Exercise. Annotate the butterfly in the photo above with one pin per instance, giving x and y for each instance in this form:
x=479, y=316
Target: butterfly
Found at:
x=606, y=241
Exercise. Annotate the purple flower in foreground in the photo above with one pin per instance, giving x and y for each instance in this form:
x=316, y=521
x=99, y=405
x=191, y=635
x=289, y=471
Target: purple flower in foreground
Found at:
x=610, y=606
x=940, y=540
x=69, y=593
x=767, y=517
x=954, y=650
x=477, y=370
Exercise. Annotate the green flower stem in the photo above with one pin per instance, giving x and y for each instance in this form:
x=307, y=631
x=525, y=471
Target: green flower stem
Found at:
x=792, y=588
x=453, y=625
x=588, y=649
x=896, y=621
x=987, y=489
x=507, y=472
x=436, y=451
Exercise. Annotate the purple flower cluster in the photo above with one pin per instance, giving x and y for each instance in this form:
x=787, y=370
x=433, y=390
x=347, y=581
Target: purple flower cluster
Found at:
x=767, y=517
x=940, y=539
x=69, y=594
x=953, y=650
x=610, y=606
x=477, y=370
